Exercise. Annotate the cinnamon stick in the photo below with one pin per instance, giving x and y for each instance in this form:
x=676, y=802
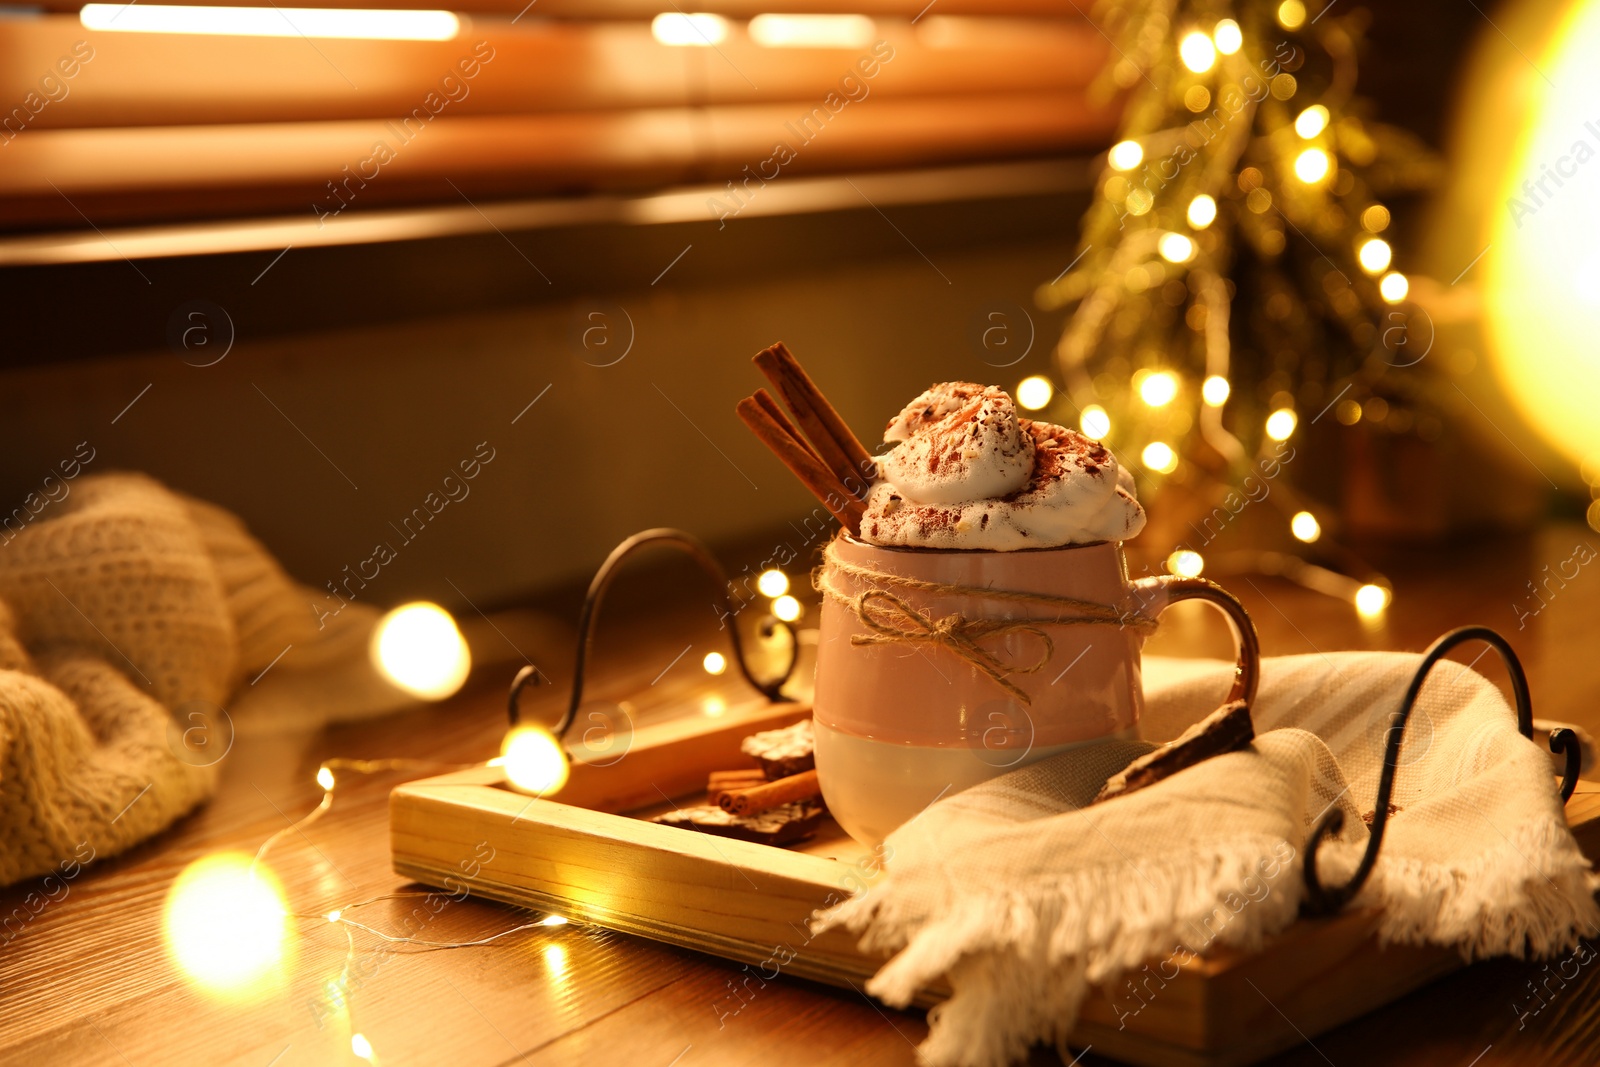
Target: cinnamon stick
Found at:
x=743, y=776
x=802, y=786
x=770, y=406
x=839, y=448
x=803, y=463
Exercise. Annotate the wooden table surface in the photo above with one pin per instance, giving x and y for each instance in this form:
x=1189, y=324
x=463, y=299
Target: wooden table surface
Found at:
x=89, y=981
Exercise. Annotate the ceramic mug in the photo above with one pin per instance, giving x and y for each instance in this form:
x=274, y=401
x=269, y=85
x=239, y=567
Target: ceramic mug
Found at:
x=905, y=718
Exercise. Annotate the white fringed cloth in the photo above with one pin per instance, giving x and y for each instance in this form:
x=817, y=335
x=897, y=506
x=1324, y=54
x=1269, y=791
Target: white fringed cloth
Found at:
x=1026, y=896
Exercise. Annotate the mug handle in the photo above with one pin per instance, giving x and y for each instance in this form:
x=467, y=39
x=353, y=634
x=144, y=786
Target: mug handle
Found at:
x=1157, y=593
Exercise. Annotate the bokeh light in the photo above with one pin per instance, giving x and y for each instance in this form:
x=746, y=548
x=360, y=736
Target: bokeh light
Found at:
x=1305, y=526
x=1202, y=211
x=1227, y=36
x=1034, y=392
x=1186, y=563
x=1125, y=155
x=418, y=647
x=1371, y=601
x=1312, y=121
x=225, y=924
x=787, y=608
x=1215, y=391
x=1158, y=389
x=1159, y=456
x=1094, y=422
x=1281, y=424
x=1197, y=52
x=773, y=582
x=1312, y=165
x=1374, y=254
x=714, y=663
x=1175, y=248
x=699, y=30
x=1394, y=287
x=1291, y=14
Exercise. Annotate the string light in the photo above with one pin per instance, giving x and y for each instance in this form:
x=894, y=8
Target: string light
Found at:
x=225, y=924
x=1394, y=287
x=699, y=30
x=1034, y=392
x=1281, y=424
x=1215, y=391
x=1371, y=600
x=1374, y=255
x=554, y=920
x=361, y=1047
x=714, y=663
x=1312, y=121
x=325, y=779
x=418, y=647
x=1202, y=211
x=1186, y=563
x=1158, y=389
x=1125, y=155
x=1094, y=422
x=1159, y=456
x=1305, y=526
x=787, y=608
x=1312, y=165
x=773, y=583
x=534, y=760
x=1175, y=248
x=1375, y=219
x=1197, y=52
x=1291, y=14
x=1227, y=37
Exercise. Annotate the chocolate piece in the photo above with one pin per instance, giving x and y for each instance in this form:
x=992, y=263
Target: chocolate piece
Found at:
x=776, y=826
x=1224, y=730
x=783, y=752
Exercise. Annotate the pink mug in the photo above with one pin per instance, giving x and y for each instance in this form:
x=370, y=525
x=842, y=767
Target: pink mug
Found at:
x=940, y=669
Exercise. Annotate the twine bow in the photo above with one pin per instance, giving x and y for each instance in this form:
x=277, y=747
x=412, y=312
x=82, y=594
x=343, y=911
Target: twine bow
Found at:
x=894, y=621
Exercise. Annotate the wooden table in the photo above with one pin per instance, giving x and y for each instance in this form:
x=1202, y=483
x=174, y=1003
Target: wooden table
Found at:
x=89, y=981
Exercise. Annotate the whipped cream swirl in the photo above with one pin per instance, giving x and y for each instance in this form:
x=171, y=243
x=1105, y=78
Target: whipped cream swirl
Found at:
x=967, y=473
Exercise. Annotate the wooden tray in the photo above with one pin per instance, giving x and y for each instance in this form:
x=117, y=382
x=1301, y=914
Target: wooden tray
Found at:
x=591, y=856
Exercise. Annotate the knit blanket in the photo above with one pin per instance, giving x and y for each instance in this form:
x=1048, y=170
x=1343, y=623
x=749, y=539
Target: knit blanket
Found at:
x=129, y=615
x=1024, y=895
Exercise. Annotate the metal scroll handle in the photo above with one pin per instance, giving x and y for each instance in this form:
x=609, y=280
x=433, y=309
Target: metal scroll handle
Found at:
x=1164, y=590
x=1325, y=900
x=692, y=547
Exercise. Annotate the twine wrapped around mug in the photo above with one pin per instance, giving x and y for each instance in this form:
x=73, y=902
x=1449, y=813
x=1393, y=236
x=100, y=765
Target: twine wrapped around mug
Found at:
x=893, y=620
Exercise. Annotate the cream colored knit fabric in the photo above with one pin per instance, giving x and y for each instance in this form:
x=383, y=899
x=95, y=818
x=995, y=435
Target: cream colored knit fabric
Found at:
x=1025, y=895
x=121, y=602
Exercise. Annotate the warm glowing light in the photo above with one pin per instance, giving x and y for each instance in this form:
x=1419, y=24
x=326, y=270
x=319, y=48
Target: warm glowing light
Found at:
x=693, y=31
x=1371, y=600
x=1394, y=287
x=418, y=647
x=773, y=583
x=325, y=778
x=1227, y=36
x=554, y=920
x=555, y=958
x=1281, y=423
x=1197, y=52
x=787, y=608
x=1291, y=14
x=1125, y=155
x=1202, y=211
x=361, y=1046
x=1159, y=456
x=714, y=663
x=272, y=21
x=1374, y=254
x=225, y=923
x=714, y=706
x=1215, y=391
x=1375, y=219
x=1305, y=526
x=1312, y=165
x=1312, y=121
x=1539, y=275
x=1094, y=422
x=813, y=31
x=1175, y=248
x=1186, y=563
x=1158, y=389
x=1034, y=392
x=534, y=760
x=333, y=916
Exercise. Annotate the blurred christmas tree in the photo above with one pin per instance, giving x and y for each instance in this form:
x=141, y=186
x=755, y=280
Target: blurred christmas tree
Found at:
x=1233, y=278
